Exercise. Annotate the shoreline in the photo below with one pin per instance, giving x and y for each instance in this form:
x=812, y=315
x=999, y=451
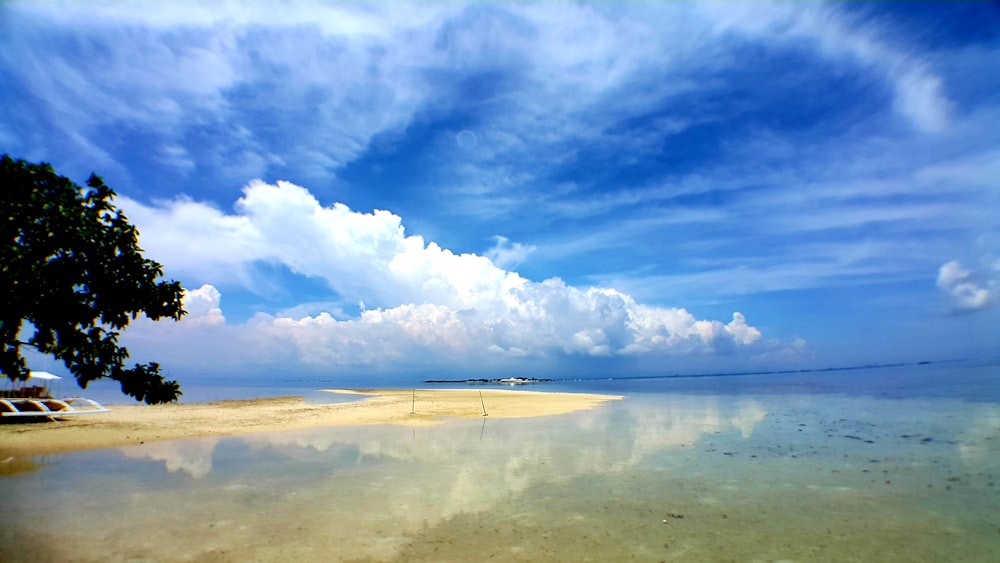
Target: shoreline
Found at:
x=130, y=425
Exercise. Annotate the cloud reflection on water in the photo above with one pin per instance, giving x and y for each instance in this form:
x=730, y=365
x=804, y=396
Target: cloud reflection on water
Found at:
x=516, y=453
x=193, y=456
x=386, y=492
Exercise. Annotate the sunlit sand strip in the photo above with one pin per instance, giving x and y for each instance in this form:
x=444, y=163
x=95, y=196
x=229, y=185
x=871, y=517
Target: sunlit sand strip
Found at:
x=136, y=424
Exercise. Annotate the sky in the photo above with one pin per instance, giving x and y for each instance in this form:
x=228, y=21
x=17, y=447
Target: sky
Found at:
x=548, y=189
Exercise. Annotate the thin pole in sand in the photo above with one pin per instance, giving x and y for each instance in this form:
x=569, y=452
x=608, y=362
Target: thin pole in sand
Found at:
x=483, y=402
x=413, y=403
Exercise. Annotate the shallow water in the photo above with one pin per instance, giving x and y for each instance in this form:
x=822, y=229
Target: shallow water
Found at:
x=865, y=468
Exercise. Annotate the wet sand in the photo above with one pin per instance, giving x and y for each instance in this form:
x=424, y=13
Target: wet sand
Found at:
x=139, y=424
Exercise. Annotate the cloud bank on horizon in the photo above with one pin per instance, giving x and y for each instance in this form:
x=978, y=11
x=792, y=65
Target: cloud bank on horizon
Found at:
x=584, y=186
x=420, y=300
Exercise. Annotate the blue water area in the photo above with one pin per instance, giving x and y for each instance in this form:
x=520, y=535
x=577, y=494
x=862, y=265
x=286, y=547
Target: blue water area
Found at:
x=965, y=380
x=887, y=464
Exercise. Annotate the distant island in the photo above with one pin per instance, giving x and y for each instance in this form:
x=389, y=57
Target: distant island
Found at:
x=494, y=381
x=528, y=380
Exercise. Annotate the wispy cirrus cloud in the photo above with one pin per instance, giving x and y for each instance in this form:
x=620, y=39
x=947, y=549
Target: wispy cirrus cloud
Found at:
x=508, y=254
x=545, y=82
x=678, y=153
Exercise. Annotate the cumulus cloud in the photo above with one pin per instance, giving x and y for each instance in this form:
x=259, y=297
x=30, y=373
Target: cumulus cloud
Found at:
x=420, y=299
x=741, y=331
x=202, y=306
x=966, y=290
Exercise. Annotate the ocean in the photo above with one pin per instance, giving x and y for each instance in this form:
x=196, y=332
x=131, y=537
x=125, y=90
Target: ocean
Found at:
x=883, y=464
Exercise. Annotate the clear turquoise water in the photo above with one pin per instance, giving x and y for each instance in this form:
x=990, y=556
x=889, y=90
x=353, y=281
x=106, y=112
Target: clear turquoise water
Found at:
x=893, y=464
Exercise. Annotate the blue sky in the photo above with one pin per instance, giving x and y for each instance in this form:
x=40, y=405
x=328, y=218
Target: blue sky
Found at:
x=546, y=189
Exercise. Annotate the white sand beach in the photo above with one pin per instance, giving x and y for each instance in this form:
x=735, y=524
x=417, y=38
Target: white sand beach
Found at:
x=135, y=424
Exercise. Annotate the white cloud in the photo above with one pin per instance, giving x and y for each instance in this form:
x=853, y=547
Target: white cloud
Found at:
x=243, y=89
x=202, y=306
x=966, y=290
x=774, y=352
x=421, y=301
x=347, y=73
x=920, y=97
x=177, y=157
x=542, y=320
x=195, y=239
x=741, y=331
x=507, y=254
x=919, y=94
x=344, y=74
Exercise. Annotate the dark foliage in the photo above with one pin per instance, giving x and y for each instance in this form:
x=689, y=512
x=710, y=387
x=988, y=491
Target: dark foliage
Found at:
x=72, y=276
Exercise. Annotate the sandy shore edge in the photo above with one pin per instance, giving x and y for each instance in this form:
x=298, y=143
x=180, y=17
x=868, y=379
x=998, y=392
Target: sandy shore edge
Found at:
x=139, y=424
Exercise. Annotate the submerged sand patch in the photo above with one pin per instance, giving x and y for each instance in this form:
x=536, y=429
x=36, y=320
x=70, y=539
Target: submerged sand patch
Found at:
x=135, y=424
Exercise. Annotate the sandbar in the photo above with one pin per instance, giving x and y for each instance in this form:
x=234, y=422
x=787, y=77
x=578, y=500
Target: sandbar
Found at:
x=138, y=424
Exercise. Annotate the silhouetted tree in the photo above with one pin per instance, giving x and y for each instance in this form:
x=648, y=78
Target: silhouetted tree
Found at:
x=72, y=276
